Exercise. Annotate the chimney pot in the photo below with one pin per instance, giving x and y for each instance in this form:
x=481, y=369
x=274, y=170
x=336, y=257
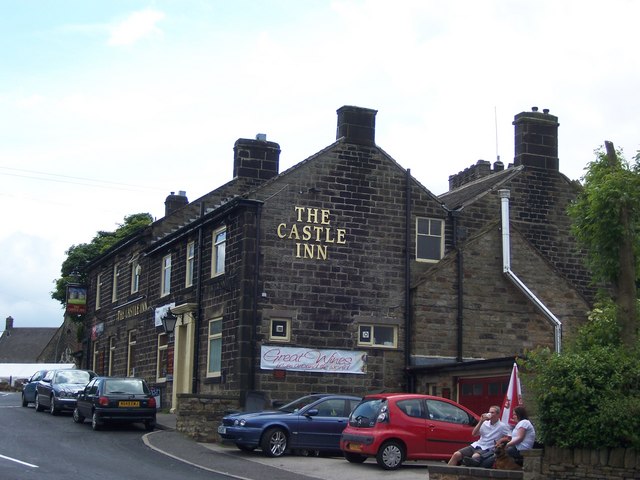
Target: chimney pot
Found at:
x=9, y=324
x=534, y=109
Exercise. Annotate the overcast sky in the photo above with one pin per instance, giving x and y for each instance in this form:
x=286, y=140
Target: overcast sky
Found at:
x=108, y=106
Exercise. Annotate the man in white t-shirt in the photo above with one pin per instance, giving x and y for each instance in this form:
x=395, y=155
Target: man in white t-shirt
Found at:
x=489, y=429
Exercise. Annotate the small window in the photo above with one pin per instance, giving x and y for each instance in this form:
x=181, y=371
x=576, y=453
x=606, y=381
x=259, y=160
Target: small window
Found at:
x=131, y=354
x=219, y=252
x=165, y=287
x=114, y=287
x=191, y=262
x=429, y=239
x=98, y=290
x=136, y=270
x=378, y=336
x=280, y=330
x=214, y=355
x=163, y=357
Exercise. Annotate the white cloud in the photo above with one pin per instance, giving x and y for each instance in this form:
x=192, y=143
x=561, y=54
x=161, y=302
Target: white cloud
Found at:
x=136, y=26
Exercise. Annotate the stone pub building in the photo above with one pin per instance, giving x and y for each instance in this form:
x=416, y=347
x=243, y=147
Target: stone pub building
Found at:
x=345, y=274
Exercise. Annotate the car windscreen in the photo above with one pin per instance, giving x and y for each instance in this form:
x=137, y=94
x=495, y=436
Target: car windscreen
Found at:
x=127, y=386
x=365, y=414
x=72, y=376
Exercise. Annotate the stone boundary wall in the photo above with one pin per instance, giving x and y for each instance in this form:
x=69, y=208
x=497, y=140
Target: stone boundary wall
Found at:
x=575, y=464
x=198, y=416
x=556, y=464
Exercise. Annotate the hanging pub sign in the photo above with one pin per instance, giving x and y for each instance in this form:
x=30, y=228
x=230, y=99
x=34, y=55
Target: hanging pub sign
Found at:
x=312, y=360
x=76, y=300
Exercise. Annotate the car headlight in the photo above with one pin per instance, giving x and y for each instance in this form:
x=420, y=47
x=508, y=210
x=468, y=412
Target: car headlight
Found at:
x=239, y=422
x=65, y=394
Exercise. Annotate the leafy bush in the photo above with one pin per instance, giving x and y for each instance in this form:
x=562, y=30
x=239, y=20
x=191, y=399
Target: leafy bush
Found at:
x=588, y=396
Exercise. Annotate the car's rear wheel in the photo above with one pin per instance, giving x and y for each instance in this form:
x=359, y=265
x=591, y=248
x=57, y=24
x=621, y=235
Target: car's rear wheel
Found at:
x=354, y=457
x=391, y=455
x=245, y=448
x=95, y=422
x=39, y=407
x=52, y=406
x=77, y=416
x=274, y=442
x=24, y=401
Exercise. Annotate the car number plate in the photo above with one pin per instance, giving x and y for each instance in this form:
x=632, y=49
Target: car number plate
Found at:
x=222, y=429
x=354, y=447
x=128, y=404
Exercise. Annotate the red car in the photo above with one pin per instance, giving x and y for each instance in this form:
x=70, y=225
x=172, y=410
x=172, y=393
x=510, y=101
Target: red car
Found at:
x=394, y=427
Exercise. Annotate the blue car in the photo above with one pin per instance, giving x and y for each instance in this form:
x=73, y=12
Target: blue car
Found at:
x=58, y=390
x=29, y=387
x=312, y=423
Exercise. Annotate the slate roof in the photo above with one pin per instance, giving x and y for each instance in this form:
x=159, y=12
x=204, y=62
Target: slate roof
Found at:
x=470, y=192
x=23, y=345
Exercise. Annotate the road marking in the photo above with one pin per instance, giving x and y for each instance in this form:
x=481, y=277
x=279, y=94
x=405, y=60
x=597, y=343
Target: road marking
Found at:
x=19, y=461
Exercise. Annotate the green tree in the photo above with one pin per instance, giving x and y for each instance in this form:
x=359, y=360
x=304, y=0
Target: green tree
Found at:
x=588, y=396
x=606, y=219
x=79, y=256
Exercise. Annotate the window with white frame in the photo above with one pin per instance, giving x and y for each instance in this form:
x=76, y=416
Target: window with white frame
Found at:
x=165, y=284
x=114, y=286
x=136, y=270
x=214, y=355
x=191, y=263
x=98, y=291
x=280, y=330
x=219, y=251
x=163, y=357
x=131, y=353
x=112, y=353
x=96, y=357
x=378, y=335
x=429, y=239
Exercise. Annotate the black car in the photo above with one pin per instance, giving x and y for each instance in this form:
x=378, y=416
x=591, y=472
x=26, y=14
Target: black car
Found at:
x=117, y=400
x=58, y=389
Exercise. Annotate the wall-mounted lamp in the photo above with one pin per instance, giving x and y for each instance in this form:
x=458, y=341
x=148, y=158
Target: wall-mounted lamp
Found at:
x=169, y=322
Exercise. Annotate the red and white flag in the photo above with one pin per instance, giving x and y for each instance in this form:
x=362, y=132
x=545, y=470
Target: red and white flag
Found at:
x=512, y=398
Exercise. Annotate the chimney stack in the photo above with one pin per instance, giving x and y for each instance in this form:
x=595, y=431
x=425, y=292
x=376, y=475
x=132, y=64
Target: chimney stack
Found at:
x=357, y=125
x=536, y=139
x=9, y=324
x=256, y=159
x=175, y=202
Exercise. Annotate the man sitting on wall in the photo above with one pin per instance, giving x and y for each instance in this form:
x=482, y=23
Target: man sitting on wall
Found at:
x=489, y=429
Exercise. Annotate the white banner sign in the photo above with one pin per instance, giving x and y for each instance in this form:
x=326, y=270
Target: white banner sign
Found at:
x=310, y=360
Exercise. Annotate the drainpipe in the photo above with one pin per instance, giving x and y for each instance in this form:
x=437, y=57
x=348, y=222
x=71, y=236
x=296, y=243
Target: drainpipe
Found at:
x=196, y=320
x=407, y=286
x=460, y=274
x=256, y=299
x=506, y=269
